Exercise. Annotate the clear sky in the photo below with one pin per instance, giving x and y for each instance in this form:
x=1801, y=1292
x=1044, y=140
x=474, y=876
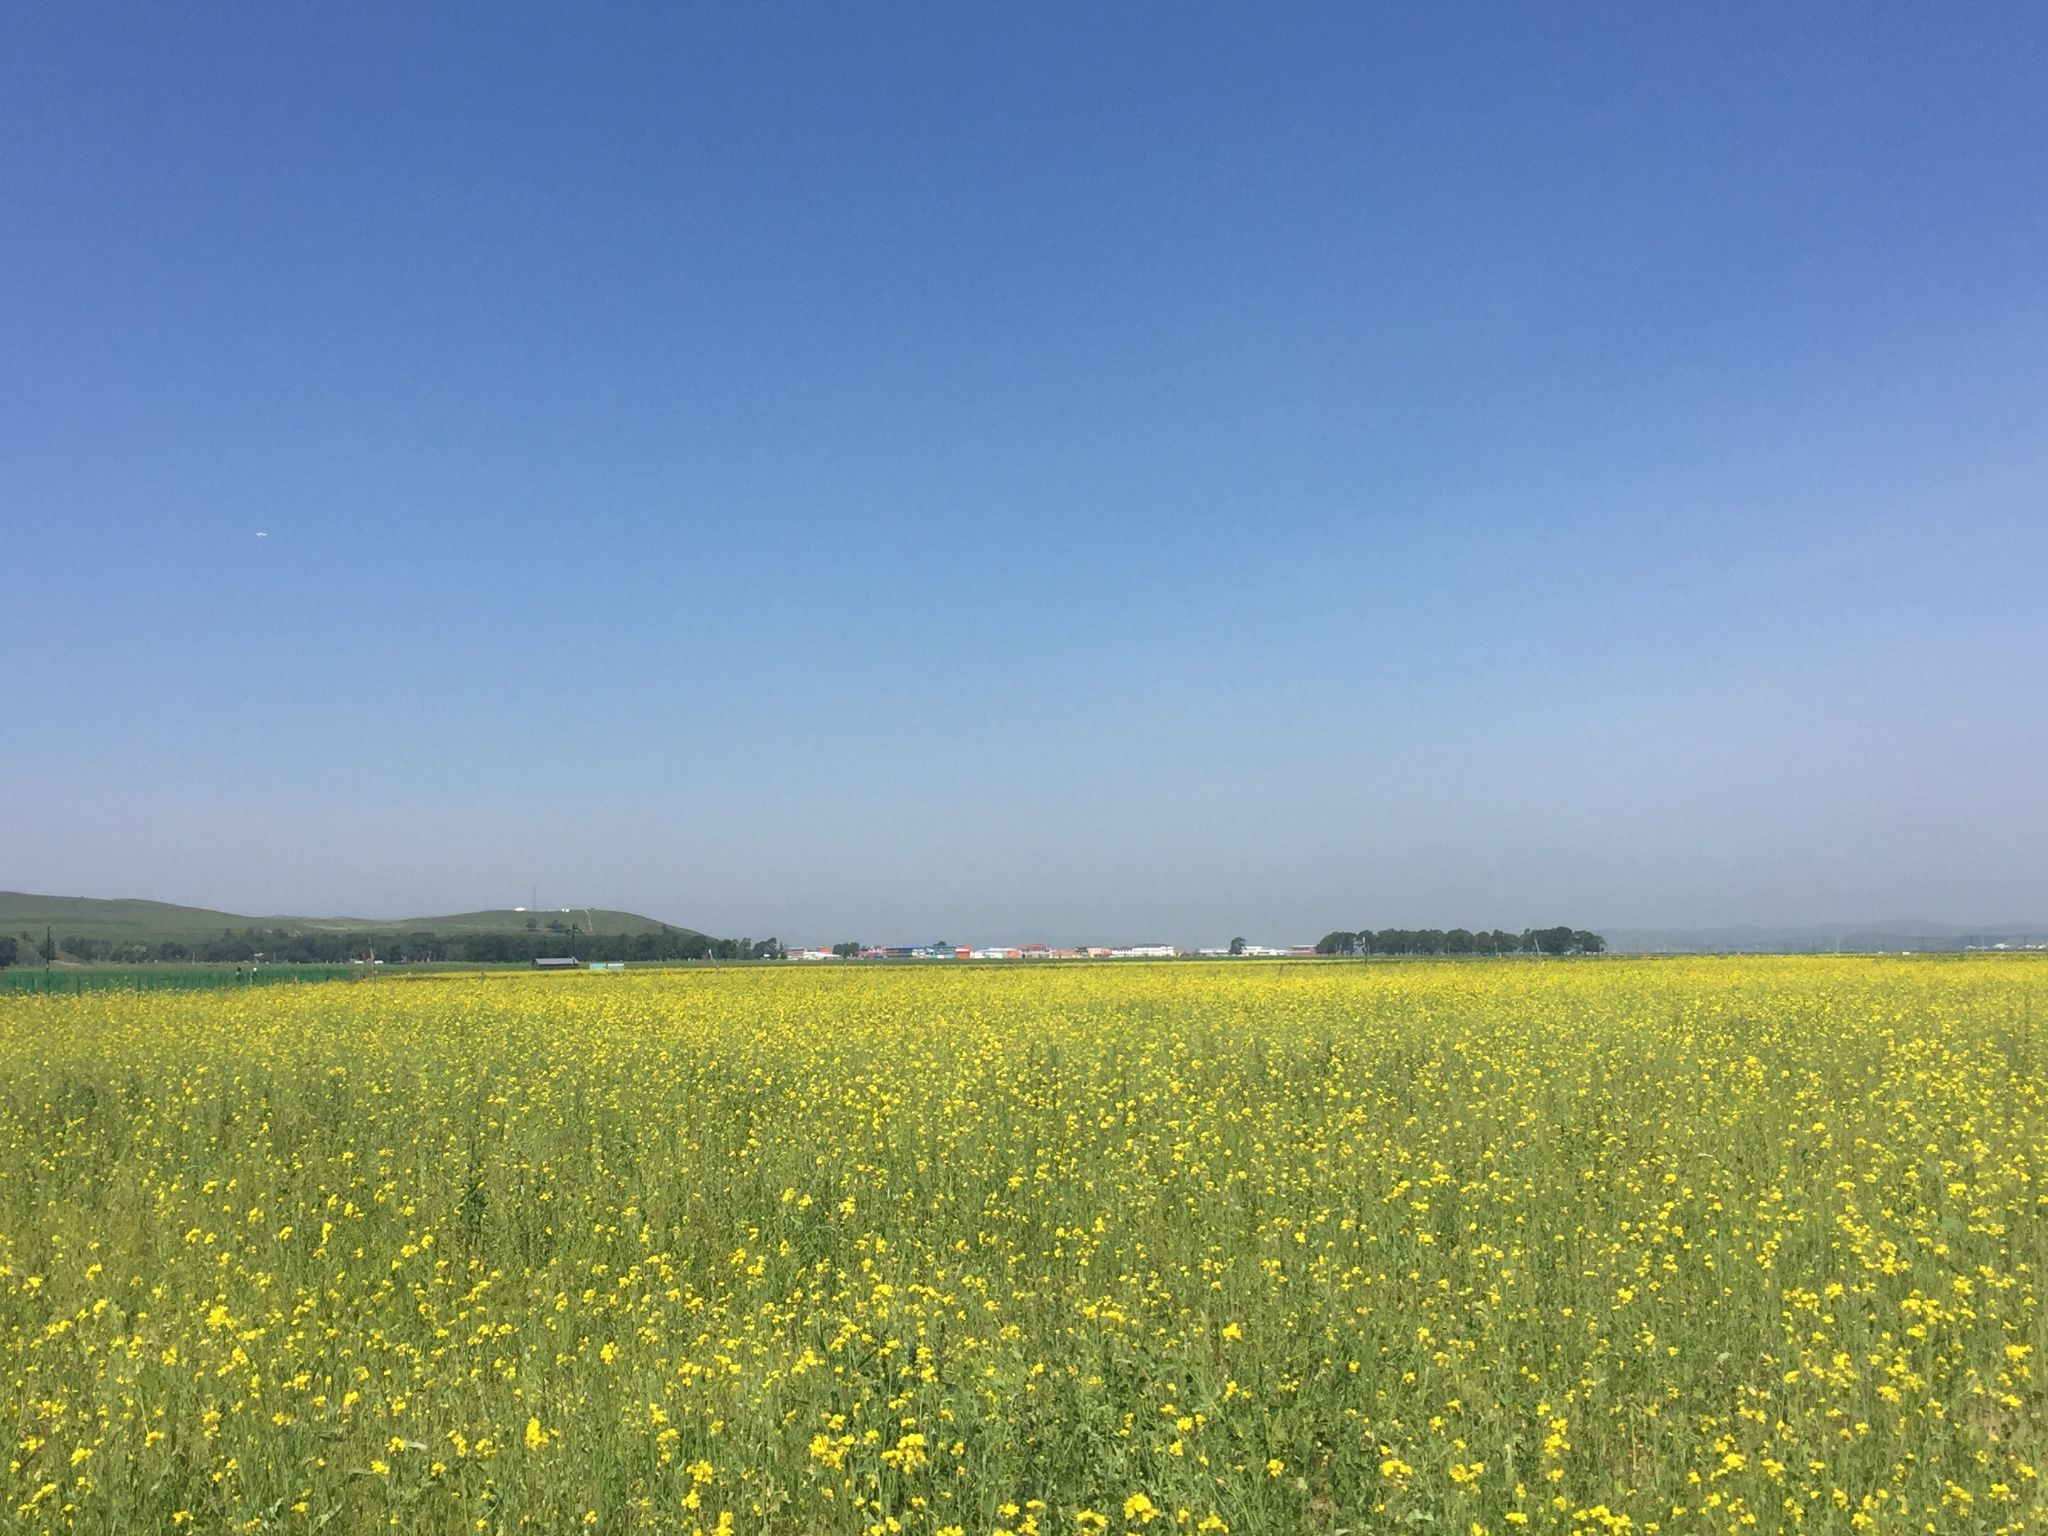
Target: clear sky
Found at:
x=1064, y=471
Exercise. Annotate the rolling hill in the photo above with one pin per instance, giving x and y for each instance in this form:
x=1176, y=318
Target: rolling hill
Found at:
x=158, y=922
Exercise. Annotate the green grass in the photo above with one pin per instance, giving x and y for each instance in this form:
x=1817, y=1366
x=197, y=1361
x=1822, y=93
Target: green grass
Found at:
x=146, y=922
x=161, y=978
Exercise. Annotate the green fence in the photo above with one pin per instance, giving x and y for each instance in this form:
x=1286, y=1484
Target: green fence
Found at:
x=164, y=978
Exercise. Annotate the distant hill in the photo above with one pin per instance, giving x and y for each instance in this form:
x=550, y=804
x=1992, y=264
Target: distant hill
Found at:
x=1826, y=938
x=158, y=922
x=504, y=920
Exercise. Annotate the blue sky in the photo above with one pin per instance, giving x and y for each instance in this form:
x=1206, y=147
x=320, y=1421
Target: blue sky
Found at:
x=1057, y=471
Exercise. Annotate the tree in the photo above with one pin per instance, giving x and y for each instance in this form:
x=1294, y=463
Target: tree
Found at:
x=48, y=948
x=848, y=950
x=1237, y=946
x=10, y=951
x=1461, y=941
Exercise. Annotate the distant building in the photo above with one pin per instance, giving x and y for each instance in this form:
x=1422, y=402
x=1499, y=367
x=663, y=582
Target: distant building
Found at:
x=555, y=962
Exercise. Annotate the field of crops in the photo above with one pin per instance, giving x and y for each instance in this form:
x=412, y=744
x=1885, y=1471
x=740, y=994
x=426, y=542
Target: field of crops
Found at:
x=1514, y=1246
x=188, y=977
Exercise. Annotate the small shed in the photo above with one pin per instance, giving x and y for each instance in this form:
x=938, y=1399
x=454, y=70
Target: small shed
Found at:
x=555, y=962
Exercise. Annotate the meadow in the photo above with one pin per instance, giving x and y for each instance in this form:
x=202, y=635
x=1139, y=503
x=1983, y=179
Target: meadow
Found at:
x=1586, y=1246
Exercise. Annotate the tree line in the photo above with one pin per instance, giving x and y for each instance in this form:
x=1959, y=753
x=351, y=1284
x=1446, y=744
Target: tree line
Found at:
x=1460, y=941
x=282, y=946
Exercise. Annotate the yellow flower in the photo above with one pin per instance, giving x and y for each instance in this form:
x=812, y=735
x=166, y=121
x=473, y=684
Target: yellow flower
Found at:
x=1791, y=1202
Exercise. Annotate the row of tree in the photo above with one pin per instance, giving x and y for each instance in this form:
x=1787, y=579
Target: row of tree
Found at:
x=1461, y=941
x=26, y=949
x=282, y=946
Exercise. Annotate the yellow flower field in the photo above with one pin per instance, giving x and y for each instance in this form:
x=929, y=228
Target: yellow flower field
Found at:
x=1682, y=1245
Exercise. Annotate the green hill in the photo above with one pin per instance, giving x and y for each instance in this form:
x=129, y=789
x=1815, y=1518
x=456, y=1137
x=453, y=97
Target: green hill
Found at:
x=504, y=920
x=158, y=922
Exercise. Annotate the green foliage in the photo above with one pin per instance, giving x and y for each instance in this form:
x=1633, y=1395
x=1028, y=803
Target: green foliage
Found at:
x=421, y=945
x=1460, y=941
x=165, y=978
